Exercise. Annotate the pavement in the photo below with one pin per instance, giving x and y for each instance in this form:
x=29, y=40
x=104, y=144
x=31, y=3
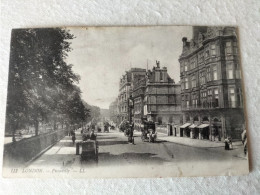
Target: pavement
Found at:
x=193, y=142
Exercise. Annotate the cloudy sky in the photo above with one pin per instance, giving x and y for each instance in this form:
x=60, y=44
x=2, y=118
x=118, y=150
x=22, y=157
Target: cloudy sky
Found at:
x=102, y=54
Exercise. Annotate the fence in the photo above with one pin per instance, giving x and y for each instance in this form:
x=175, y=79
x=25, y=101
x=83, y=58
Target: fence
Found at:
x=20, y=152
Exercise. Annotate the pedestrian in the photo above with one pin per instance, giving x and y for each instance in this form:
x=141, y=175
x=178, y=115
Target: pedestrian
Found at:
x=230, y=143
x=226, y=144
x=92, y=135
x=73, y=139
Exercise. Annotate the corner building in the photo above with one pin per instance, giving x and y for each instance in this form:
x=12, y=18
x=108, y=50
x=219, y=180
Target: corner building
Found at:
x=162, y=97
x=125, y=91
x=211, y=88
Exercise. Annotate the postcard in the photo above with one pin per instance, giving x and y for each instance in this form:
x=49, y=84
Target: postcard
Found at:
x=113, y=102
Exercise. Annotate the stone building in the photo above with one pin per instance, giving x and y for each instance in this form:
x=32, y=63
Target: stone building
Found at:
x=139, y=86
x=211, y=88
x=125, y=91
x=162, y=101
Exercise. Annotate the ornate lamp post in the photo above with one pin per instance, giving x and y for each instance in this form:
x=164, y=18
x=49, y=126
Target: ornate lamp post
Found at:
x=130, y=107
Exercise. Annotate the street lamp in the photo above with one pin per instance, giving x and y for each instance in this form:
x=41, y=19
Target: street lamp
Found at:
x=130, y=107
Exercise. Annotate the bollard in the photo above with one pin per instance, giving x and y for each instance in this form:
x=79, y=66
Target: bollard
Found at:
x=77, y=148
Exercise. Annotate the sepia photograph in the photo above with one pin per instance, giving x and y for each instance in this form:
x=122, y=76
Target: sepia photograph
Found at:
x=113, y=102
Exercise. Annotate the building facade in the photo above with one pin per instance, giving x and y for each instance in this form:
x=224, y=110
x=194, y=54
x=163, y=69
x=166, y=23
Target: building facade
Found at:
x=162, y=100
x=211, y=88
x=139, y=86
x=125, y=92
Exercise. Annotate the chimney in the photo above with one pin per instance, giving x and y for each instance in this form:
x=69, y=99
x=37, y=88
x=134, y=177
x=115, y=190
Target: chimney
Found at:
x=184, y=41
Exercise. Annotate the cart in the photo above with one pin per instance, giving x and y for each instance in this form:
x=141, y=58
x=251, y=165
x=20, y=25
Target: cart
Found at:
x=89, y=151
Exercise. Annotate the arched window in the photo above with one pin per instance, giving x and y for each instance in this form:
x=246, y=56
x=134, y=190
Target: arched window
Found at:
x=196, y=118
x=205, y=118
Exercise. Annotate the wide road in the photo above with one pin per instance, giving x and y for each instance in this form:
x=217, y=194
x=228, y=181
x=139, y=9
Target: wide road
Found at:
x=124, y=159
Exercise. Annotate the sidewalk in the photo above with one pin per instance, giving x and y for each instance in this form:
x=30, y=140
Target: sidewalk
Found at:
x=191, y=142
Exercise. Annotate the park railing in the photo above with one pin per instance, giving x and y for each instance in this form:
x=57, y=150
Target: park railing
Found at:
x=20, y=152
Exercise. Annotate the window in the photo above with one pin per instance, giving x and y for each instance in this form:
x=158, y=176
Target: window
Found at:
x=207, y=52
x=161, y=75
x=232, y=97
x=213, y=50
x=210, y=98
x=208, y=74
x=216, y=98
x=201, y=57
x=193, y=63
x=235, y=48
x=186, y=83
x=187, y=101
x=203, y=96
x=238, y=72
x=215, y=73
x=202, y=78
x=230, y=72
x=193, y=81
x=194, y=100
x=186, y=66
x=239, y=97
x=228, y=48
x=187, y=104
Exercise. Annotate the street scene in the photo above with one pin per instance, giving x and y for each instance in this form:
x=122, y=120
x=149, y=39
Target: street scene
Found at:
x=125, y=102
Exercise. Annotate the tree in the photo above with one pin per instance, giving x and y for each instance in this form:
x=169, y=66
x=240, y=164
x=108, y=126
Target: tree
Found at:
x=39, y=77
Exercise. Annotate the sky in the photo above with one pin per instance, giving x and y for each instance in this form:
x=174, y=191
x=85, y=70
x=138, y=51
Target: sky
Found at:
x=101, y=55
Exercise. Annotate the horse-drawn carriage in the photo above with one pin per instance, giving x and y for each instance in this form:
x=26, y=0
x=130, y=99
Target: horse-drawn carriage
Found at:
x=89, y=151
x=148, y=132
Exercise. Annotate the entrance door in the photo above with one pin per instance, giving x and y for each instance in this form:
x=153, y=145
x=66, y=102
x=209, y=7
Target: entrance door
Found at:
x=181, y=132
x=170, y=129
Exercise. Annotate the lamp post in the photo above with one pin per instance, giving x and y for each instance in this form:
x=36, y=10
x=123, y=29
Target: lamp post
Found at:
x=130, y=107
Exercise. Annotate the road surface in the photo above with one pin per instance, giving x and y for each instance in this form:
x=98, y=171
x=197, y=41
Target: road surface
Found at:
x=124, y=159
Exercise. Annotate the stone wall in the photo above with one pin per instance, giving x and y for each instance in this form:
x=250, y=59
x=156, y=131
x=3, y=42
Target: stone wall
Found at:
x=20, y=152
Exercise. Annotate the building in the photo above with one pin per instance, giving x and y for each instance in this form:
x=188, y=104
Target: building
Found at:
x=125, y=92
x=162, y=100
x=211, y=88
x=139, y=86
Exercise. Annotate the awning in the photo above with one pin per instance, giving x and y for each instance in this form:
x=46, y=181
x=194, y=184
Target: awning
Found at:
x=185, y=125
x=203, y=126
x=193, y=126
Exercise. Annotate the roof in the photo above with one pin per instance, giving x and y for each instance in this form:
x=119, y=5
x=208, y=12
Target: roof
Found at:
x=193, y=126
x=203, y=126
x=185, y=125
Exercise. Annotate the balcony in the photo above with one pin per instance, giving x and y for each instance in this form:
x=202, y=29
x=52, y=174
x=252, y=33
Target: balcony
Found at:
x=213, y=105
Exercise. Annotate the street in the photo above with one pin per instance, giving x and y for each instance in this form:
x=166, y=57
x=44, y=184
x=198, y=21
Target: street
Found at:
x=115, y=153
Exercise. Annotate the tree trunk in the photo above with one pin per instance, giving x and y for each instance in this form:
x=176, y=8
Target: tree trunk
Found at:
x=36, y=126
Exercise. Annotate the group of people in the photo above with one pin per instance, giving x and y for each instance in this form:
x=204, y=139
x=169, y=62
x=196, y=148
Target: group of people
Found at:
x=89, y=136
